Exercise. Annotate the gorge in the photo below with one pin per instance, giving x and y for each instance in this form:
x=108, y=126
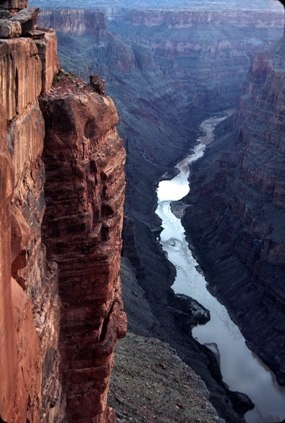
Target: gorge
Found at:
x=241, y=370
x=175, y=60
x=63, y=184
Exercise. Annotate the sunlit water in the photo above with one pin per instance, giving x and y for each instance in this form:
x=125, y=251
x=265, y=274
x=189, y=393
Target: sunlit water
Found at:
x=242, y=371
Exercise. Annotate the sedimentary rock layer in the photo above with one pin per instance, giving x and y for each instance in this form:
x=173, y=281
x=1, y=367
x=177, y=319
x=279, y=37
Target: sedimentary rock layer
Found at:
x=85, y=193
x=84, y=158
x=237, y=217
x=29, y=360
x=78, y=22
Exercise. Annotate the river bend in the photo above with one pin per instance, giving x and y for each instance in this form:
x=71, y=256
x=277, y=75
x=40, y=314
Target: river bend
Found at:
x=242, y=370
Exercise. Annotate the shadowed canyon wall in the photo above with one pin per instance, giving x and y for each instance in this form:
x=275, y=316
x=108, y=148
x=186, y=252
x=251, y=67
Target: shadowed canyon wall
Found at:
x=61, y=199
x=237, y=204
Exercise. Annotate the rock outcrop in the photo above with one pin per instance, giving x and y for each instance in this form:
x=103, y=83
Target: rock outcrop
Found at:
x=236, y=219
x=84, y=159
x=29, y=329
x=60, y=305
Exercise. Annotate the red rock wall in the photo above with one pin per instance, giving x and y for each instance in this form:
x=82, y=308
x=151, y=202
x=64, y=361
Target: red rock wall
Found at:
x=85, y=193
x=84, y=158
x=28, y=283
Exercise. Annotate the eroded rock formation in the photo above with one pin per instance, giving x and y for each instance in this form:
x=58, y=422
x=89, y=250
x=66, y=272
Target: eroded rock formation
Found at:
x=84, y=190
x=29, y=300
x=83, y=187
x=75, y=21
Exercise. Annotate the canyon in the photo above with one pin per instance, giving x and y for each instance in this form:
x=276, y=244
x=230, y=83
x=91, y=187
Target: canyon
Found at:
x=167, y=71
x=242, y=240
x=62, y=188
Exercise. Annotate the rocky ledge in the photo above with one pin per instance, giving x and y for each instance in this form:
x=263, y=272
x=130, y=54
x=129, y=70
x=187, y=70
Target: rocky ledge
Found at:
x=150, y=383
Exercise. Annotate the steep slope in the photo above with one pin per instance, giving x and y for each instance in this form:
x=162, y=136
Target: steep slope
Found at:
x=85, y=182
x=58, y=322
x=236, y=219
x=154, y=384
x=29, y=299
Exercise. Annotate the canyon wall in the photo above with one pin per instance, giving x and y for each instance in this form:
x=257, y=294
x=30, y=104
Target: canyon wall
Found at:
x=165, y=81
x=29, y=298
x=75, y=21
x=179, y=19
x=236, y=219
x=162, y=4
x=61, y=309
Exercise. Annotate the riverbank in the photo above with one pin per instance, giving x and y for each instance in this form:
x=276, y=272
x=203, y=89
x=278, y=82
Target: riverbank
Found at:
x=167, y=321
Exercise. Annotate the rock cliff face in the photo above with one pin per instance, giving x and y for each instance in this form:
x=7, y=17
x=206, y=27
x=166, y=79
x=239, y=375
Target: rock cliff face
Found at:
x=84, y=190
x=29, y=300
x=236, y=219
x=179, y=19
x=78, y=22
x=47, y=270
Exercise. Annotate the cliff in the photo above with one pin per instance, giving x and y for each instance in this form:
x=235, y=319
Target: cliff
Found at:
x=165, y=80
x=84, y=159
x=61, y=198
x=236, y=219
x=75, y=21
x=179, y=19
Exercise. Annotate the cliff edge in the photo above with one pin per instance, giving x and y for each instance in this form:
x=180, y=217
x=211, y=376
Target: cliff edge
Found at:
x=61, y=200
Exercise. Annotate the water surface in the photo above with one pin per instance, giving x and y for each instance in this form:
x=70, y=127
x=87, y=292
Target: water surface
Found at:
x=241, y=369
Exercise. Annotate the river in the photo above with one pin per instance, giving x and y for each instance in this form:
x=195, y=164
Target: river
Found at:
x=242, y=370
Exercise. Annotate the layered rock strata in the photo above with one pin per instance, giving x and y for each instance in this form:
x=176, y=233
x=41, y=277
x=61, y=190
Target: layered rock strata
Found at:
x=236, y=219
x=78, y=22
x=29, y=362
x=42, y=382
x=84, y=158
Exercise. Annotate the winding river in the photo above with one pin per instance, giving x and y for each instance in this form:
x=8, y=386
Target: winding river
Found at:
x=242, y=370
